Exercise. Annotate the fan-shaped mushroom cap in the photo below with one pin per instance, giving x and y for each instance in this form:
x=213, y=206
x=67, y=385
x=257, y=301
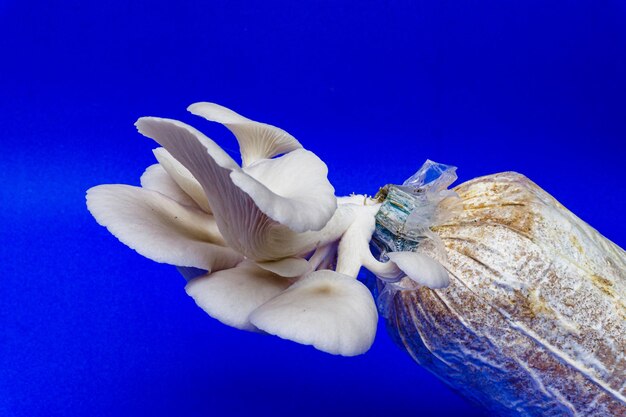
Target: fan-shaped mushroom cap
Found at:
x=333, y=312
x=256, y=140
x=160, y=228
x=232, y=294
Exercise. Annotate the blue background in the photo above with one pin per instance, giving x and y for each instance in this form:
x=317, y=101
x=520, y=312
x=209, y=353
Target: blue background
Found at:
x=88, y=327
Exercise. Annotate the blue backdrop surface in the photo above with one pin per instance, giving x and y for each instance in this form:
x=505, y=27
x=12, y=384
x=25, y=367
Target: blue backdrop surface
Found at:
x=88, y=327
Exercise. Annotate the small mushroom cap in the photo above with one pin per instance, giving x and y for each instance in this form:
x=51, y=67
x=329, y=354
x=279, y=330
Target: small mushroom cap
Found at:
x=333, y=312
x=182, y=177
x=421, y=268
x=232, y=294
x=156, y=178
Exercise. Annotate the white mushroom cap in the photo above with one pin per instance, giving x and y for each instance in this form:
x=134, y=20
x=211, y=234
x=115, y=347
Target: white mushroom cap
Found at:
x=232, y=294
x=159, y=228
x=333, y=312
x=421, y=268
x=291, y=189
x=256, y=140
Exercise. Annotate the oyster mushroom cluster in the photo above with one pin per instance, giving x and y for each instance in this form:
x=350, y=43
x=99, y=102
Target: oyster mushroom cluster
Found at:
x=276, y=250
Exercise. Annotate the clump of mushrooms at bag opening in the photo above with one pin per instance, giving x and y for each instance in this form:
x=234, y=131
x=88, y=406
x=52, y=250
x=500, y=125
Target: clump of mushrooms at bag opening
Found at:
x=266, y=245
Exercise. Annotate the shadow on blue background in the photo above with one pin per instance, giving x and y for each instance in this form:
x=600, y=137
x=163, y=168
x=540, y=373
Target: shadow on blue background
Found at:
x=88, y=327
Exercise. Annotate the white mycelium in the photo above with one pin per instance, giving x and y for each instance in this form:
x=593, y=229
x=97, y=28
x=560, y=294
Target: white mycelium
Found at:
x=280, y=251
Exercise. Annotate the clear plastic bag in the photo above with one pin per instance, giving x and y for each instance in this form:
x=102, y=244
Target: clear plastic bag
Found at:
x=405, y=218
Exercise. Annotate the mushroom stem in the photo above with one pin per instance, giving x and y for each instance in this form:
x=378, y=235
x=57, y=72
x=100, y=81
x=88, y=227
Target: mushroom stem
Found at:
x=354, y=251
x=323, y=256
x=387, y=271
